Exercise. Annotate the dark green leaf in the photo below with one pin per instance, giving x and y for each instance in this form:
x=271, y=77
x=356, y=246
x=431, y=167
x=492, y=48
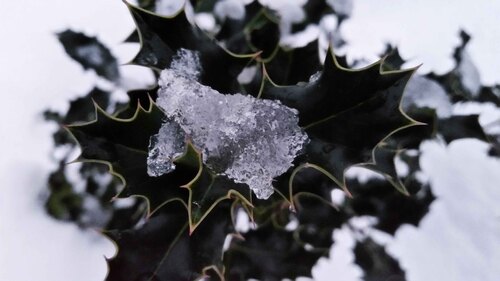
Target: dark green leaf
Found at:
x=393, y=60
x=458, y=127
x=258, y=32
x=490, y=94
x=122, y=144
x=162, y=36
x=451, y=128
x=376, y=263
x=268, y=253
x=90, y=53
x=317, y=221
x=163, y=249
x=300, y=64
x=346, y=113
x=63, y=202
x=314, y=11
x=384, y=164
x=392, y=209
x=80, y=110
x=137, y=98
x=457, y=82
x=207, y=190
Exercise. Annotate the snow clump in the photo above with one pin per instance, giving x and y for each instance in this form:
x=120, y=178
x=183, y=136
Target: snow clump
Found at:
x=247, y=139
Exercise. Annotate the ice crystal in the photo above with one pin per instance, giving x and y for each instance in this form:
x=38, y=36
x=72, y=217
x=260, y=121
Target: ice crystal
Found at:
x=164, y=147
x=247, y=139
x=315, y=77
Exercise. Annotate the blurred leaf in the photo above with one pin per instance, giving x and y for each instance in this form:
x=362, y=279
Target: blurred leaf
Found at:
x=376, y=263
x=346, y=113
x=122, y=144
x=393, y=60
x=317, y=221
x=80, y=110
x=458, y=127
x=314, y=11
x=163, y=249
x=300, y=63
x=268, y=253
x=63, y=202
x=90, y=53
x=392, y=209
x=162, y=36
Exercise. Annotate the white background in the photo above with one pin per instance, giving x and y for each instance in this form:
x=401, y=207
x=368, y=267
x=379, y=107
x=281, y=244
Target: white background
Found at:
x=458, y=240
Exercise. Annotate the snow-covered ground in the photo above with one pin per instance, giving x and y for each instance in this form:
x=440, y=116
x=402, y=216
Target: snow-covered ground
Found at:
x=36, y=74
x=457, y=240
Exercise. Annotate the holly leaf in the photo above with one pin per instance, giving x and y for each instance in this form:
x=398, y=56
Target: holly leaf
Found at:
x=263, y=34
x=122, y=145
x=207, y=190
x=137, y=98
x=164, y=249
x=490, y=94
x=314, y=11
x=346, y=113
x=162, y=36
x=384, y=157
x=80, y=110
x=309, y=180
x=147, y=4
x=316, y=223
x=268, y=253
x=450, y=128
x=376, y=263
x=392, y=209
x=90, y=53
x=203, y=5
x=411, y=138
x=257, y=31
x=393, y=59
x=463, y=126
x=463, y=81
x=300, y=63
x=63, y=202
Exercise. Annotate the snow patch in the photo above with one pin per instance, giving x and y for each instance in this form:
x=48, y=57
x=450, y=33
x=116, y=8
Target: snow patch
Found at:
x=341, y=7
x=424, y=92
x=233, y=9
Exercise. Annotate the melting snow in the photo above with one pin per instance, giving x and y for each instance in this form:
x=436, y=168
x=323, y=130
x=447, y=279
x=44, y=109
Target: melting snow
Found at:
x=249, y=140
x=164, y=147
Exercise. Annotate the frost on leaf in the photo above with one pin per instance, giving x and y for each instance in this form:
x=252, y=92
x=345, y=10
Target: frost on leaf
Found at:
x=246, y=139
